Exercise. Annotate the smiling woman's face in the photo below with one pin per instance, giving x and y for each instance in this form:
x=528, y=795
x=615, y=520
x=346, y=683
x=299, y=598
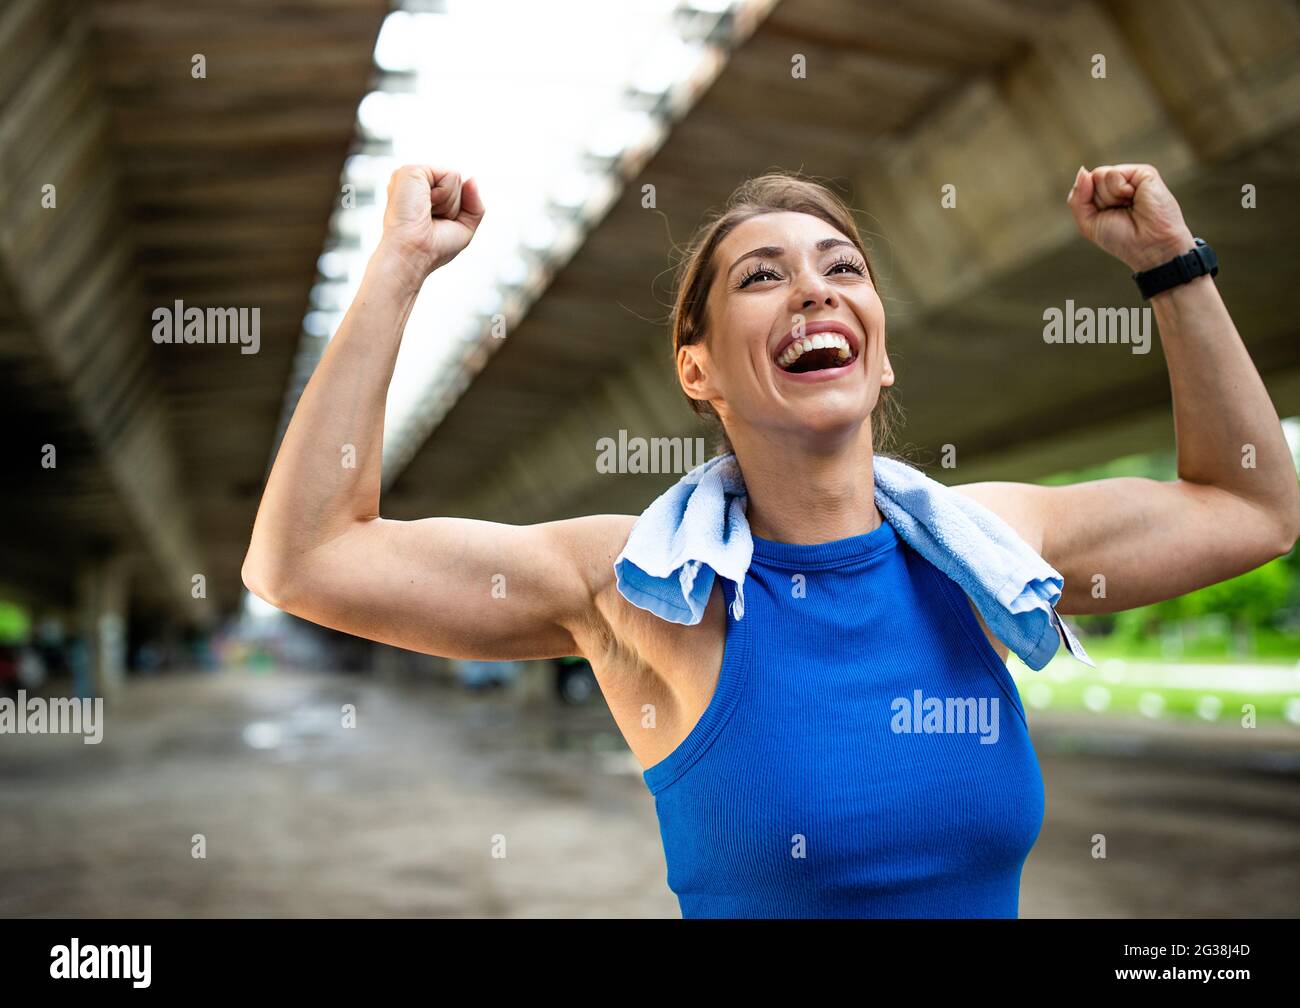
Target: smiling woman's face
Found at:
x=807, y=279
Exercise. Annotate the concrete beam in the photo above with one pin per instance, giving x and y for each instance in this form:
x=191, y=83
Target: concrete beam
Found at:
x=68, y=272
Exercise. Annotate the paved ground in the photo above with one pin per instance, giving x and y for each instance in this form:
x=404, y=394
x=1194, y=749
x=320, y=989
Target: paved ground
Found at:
x=397, y=816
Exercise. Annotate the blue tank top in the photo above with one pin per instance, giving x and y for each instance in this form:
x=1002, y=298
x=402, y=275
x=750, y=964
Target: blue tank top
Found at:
x=865, y=752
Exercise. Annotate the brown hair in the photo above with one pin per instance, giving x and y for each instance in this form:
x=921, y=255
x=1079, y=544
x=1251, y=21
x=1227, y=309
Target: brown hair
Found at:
x=769, y=193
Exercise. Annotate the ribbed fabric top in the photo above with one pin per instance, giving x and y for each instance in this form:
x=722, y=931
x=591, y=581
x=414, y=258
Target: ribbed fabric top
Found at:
x=865, y=752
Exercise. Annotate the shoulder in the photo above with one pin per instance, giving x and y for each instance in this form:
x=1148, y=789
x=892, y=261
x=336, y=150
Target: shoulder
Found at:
x=591, y=544
x=1020, y=505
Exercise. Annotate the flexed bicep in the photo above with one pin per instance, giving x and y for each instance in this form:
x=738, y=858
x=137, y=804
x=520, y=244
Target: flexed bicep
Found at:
x=1129, y=541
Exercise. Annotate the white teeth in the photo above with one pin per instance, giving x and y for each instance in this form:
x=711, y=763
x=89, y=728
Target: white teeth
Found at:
x=818, y=341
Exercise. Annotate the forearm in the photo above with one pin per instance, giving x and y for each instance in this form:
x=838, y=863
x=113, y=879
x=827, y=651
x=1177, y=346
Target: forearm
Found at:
x=1228, y=433
x=327, y=472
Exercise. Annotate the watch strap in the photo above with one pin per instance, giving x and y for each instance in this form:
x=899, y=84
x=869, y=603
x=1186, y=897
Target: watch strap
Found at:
x=1179, y=270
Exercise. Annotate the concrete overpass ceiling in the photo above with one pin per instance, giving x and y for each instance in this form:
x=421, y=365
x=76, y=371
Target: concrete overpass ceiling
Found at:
x=214, y=190
x=996, y=98
x=229, y=182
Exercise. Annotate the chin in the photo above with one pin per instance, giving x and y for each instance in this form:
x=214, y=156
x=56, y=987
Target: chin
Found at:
x=828, y=423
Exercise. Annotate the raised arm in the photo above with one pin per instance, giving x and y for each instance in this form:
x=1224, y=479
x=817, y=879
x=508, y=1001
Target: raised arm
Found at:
x=449, y=586
x=1235, y=504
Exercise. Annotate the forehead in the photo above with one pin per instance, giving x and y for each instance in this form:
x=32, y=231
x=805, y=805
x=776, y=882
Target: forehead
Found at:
x=793, y=231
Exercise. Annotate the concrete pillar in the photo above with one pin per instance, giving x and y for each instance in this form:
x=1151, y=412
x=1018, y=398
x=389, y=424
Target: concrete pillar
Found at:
x=535, y=683
x=102, y=593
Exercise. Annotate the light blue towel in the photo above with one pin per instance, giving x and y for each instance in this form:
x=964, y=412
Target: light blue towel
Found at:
x=697, y=530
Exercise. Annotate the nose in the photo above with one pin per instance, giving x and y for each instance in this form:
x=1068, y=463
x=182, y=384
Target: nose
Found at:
x=812, y=289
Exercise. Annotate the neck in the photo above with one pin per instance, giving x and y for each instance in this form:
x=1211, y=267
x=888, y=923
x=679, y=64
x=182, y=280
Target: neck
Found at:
x=802, y=496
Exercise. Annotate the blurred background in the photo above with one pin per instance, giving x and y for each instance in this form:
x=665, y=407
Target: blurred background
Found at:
x=234, y=154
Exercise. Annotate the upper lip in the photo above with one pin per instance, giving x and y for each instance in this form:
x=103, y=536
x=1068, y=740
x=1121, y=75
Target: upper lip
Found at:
x=826, y=325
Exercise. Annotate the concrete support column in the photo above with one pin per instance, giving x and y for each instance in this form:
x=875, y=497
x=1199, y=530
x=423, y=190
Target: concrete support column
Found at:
x=102, y=593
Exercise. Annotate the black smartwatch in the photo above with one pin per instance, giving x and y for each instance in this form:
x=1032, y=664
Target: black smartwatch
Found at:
x=1188, y=266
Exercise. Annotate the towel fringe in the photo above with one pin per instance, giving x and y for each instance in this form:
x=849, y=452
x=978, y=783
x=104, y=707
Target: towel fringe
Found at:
x=738, y=603
x=689, y=570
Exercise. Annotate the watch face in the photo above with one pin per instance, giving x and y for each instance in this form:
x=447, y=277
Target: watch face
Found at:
x=1208, y=259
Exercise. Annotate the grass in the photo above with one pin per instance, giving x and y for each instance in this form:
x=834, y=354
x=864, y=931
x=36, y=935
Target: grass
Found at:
x=1266, y=647
x=1137, y=681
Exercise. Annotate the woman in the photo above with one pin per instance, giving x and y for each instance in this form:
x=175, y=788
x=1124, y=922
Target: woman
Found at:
x=783, y=788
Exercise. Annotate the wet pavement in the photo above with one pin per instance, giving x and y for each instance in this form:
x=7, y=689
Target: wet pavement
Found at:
x=403, y=813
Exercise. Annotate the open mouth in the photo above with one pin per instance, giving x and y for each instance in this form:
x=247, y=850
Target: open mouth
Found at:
x=821, y=351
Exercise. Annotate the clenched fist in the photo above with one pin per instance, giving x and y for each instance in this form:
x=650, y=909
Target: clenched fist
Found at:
x=1128, y=211
x=431, y=216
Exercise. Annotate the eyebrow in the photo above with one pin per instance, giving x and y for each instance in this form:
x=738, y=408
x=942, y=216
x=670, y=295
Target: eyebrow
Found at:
x=772, y=251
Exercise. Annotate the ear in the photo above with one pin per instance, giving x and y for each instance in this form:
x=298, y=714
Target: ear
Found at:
x=693, y=371
x=886, y=372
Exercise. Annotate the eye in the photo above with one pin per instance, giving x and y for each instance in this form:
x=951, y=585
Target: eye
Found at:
x=762, y=267
x=853, y=264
